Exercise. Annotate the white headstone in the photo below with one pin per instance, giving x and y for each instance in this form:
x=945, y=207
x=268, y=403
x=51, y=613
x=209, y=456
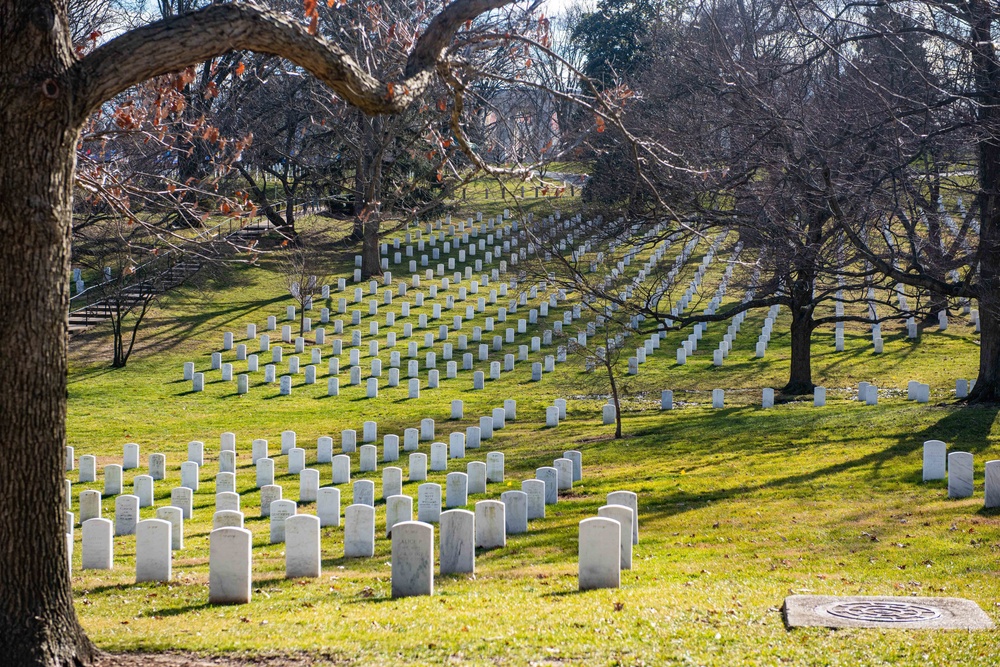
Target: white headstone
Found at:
x=935, y=459
x=98, y=545
x=491, y=528
x=302, y=550
x=418, y=467
x=476, y=470
x=398, y=508
x=280, y=510
x=457, y=548
x=429, y=502
x=992, y=485
x=364, y=492
x=328, y=506
x=599, y=553
x=126, y=514
x=359, y=531
x=175, y=517
x=268, y=494
x=534, y=490
x=623, y=515
x=412, y=559
x=229, y=565
x=516, y=511
x=631, y=500
x=960, y=475
x=550, y=476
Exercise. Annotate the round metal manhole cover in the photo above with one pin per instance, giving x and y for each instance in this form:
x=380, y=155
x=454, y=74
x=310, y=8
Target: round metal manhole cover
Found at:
x=877, y=611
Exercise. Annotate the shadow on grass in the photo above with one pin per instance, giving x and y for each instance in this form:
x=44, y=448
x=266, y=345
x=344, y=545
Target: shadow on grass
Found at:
x=967, y=428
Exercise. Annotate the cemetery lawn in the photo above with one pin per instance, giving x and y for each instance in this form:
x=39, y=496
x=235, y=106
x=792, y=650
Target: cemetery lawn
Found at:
x=739, y=507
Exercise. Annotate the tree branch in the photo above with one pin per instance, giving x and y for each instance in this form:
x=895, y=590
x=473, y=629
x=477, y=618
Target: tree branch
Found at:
x=174, y=43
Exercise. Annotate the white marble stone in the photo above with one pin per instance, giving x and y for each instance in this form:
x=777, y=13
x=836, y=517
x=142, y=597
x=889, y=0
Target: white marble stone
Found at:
x=960, y=475
x=439, y=457
x=157, y=466
x=225, y=481
x=631, y=500
x=268, y=494
x=515, y=511
x=98, y=545
x=328, y=506
x=112, y=479
x=182, y=497
x=599, y=553
x=227, y=461
x=992, y=485
x=364, y=492
x=412, y=559
x=491, y=528
x=456, y=445
x=288, y=439
x=126, y=514
x=348, y=440
x=392, y=481
x=935, y=460
x=369, y=431
x=398, y=508
x=476, y=470
x=417, y=467
x=564, y=468
x=229, y=566
x=227, y=518
x=190, y=475
x=457, y=547
x=368, y=459
x=534, y=490
x=429, y=502
x=258, y=450
x=302, y=546
x=341, y=469
x=296, y=460
x=142, y=488
x=577, y=459
x=279, y=511
x=175, y=517
x=265, y=472
x=196, y=452
x=819, y=397
x=495, y=467
x=457, y=409
x=550, y=476
x=308, y=485
x=456, y=489
x=624, y=516
x=227, y=442
x=227, y=500
x=608, y=414
x=130, y=456
x=359, y=531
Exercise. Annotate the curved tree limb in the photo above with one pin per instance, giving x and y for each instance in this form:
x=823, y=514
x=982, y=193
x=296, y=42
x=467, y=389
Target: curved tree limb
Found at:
x=174, y=43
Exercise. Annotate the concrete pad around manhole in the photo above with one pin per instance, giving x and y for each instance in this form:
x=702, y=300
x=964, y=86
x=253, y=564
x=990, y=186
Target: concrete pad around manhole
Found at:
x=902, y=613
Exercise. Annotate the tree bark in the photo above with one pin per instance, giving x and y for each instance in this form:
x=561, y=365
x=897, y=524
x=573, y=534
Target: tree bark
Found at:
x=38, y=624
x=46, y=95
x=800, y=373
x=987, y=75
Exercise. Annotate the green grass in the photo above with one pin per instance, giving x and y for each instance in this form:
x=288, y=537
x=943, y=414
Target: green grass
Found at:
x=738, y=507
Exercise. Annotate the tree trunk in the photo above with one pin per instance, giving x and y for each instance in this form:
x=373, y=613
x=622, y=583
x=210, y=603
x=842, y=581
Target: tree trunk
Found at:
x=371, y=263
x=800, y=373
x=987, y=74
x=38, y=624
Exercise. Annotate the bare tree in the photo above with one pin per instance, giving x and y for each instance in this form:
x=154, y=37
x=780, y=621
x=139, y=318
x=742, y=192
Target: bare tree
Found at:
x=47, y=94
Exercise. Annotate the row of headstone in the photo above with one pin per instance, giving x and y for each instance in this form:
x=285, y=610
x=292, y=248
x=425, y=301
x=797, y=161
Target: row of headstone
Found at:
x=957, y=467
